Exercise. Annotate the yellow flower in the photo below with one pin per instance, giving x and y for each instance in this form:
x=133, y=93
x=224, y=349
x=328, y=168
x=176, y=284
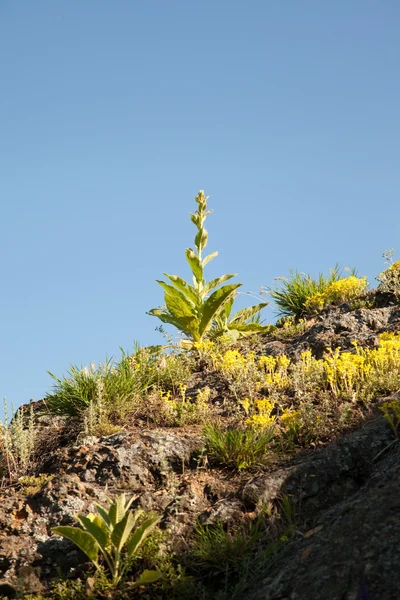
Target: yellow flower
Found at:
x=246, y=404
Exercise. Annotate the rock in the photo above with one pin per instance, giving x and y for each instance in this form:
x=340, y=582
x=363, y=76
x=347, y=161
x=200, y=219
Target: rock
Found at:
x=353, y=550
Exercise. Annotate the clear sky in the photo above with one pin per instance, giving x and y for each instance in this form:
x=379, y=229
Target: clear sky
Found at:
x=114, y=114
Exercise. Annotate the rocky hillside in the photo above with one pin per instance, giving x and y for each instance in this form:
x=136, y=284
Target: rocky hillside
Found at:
x=303, y=504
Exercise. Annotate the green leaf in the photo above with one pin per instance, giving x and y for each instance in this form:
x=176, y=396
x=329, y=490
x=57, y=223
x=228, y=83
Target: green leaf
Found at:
x=201, y=238
x=117, y=510
x=228, y=307
x=183, y=286
x=140, y=535
x=244, y=314
x=195, y=218
x=145, y=578
x=122, y=531
x=195, y=264
x=172, y=291
x=214, y=303
x=249, y=328
x=208, y=258
x=97, y=529
x=184, y=325
x=186, y=319
x=104, y=514
x=80, y=538
x=216, y=282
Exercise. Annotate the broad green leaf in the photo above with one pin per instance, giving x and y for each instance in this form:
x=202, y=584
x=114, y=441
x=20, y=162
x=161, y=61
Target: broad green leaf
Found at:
x=145, y=578
x=194, y=263
x=140, y=534
x=117, y=510
x=104, y=514
x=242, y=315
x=183, y=286
x=208, y=258
x=216, y=282
x=228, y=308
x=80, y=538
x=184, y=325
x=214, y=303
x=177, y=307
x=122, y=531
x=186, y=319
x=98, y=529
x=172, y=291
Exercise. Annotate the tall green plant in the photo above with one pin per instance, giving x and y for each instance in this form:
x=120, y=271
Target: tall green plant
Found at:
x=195, y=309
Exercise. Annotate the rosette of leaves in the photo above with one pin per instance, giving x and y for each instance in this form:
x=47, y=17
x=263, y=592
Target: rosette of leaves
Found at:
x=202, y=310
x=113, y=534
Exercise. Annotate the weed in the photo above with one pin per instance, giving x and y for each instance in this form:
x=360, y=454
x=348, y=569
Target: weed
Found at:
x=199, y=309
x=112, y=532
x=17, y=440
x=182, y=410
x=289, y=327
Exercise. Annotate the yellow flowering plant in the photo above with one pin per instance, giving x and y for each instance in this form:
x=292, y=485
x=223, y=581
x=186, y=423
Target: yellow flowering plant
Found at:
x=337, y=292
x=259, y=413
x=182, y=410
x=291, y=424
x=391, y=412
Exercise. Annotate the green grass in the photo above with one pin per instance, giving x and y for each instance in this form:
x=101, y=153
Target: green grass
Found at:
x=291, y=296
x=237, y=448
x=116, y=385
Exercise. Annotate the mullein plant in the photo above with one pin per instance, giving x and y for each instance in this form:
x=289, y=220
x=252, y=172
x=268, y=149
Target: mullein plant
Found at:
x=115, y=535
x=202, y=310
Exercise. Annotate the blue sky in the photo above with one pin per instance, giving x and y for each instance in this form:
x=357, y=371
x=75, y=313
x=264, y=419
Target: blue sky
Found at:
x=114, y=114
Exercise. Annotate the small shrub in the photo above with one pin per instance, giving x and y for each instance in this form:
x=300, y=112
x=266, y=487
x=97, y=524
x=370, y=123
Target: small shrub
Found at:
x=174, y=369
x=291, y=297
x=238, y=448
x=241, y=373
x=367, y=372
x=289, y=327
x=307, y=375
x=182, y=410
